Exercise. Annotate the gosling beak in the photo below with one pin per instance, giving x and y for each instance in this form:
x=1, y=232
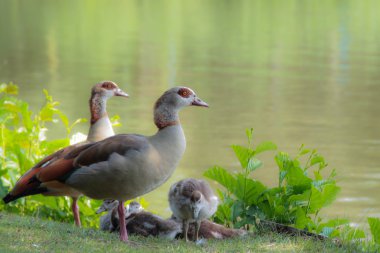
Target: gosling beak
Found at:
x=198, y=102
x=100, y=210
x=121, y=93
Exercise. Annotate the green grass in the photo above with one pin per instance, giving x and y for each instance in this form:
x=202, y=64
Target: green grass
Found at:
x=29, y=234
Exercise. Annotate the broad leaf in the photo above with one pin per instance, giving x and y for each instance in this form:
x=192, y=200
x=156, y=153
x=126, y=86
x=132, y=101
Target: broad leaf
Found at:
x=282, y=175
x=327, y=231
x=243, y=154
x=254, y=164
x=222, y=176
x=329, y=194
x=297, y=177
x=354, y=234
x=283, y=160
x=265, y=146
x=237, y=210
x=301, y=219
x=334, y=223
x=223, y=213
x=317, y=159
x=248, y=190
x=301, y=200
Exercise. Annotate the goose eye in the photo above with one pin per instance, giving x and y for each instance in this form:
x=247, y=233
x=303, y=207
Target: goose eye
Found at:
x=184, y=93
x=107, y=86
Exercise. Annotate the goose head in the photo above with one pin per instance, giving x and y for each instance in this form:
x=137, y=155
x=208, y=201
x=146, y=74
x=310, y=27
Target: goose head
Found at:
x=179, y=97
x=107, y=89
x=107, y=205
x=167, y=106
x=100, y=93
x=134, y=207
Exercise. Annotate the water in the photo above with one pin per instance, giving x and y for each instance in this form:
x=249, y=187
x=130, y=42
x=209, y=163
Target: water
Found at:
x=298, y=72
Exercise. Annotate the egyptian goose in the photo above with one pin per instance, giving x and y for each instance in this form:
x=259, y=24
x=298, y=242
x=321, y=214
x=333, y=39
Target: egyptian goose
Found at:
x=40, y=178
x=124, y=166
x=138, y=221
x=110, y=206
x=192, y=200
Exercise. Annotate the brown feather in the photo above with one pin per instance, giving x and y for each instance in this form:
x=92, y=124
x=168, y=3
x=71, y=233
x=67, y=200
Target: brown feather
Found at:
x=43, y=171
x=55, y=170
x=101, y=150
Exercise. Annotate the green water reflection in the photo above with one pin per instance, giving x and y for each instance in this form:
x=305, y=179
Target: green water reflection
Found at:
x=297, y=71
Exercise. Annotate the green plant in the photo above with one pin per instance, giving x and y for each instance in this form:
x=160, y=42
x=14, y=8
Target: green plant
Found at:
x=296, y=200
x=374, y=224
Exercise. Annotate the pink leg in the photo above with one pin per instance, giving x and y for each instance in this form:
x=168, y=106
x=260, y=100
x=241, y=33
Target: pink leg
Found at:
x=123, y=228
x=75, y=209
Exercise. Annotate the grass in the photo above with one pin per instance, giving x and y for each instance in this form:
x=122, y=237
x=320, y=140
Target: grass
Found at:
x=30, y=234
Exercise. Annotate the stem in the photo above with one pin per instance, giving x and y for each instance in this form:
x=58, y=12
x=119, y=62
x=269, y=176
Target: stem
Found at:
x=308, y=204
x=246, y=173
x=2, y=144
x=308, y=160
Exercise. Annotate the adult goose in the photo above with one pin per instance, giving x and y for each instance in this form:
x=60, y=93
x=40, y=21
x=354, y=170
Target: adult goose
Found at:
x=192, y=200
x=125, y=166
x=42, y=177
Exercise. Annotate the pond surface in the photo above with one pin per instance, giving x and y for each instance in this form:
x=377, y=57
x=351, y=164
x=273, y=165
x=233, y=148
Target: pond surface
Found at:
x=298, y=72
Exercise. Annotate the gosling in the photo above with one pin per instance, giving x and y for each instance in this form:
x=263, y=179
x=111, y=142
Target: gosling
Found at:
x=192, y=200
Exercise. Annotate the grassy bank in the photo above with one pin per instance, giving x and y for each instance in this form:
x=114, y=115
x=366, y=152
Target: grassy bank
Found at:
x=29, y=234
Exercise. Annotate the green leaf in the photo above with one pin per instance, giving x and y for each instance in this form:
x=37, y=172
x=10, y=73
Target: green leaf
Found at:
x=26, y=117
x=64, y=120
x=329, y=194
x=322, y=198
x=283, y=160
x=354, y=234
x=374, y=224
x=317, y=159
x=303, y=151
x=54, y=145
x=222, y=176
x=254, y=164
x=334, y=223
x=115, y=121
x=327, y=231
x=223, y=213
x=80, y=120
x=301, y=219
x=47, y=113
x=47, y=96
x=296, y=177
x=249, y=133
x=301, y=200
x=237, y=209
x=265, y=146
x=317, y=176
x=248, y=190
x=243, y=154
x=10, y=88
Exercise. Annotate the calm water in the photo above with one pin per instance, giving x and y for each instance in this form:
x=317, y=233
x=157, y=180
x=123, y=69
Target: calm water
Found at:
x=298, y=72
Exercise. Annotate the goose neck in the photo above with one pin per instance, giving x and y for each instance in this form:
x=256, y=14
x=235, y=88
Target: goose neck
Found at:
x=98, y=108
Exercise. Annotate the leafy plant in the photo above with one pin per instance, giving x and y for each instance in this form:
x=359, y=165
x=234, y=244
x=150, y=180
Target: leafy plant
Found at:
x=374, y=224
x=296, y=200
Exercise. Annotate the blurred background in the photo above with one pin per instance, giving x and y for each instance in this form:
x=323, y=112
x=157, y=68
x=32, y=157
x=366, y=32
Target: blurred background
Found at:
x=298, y=72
